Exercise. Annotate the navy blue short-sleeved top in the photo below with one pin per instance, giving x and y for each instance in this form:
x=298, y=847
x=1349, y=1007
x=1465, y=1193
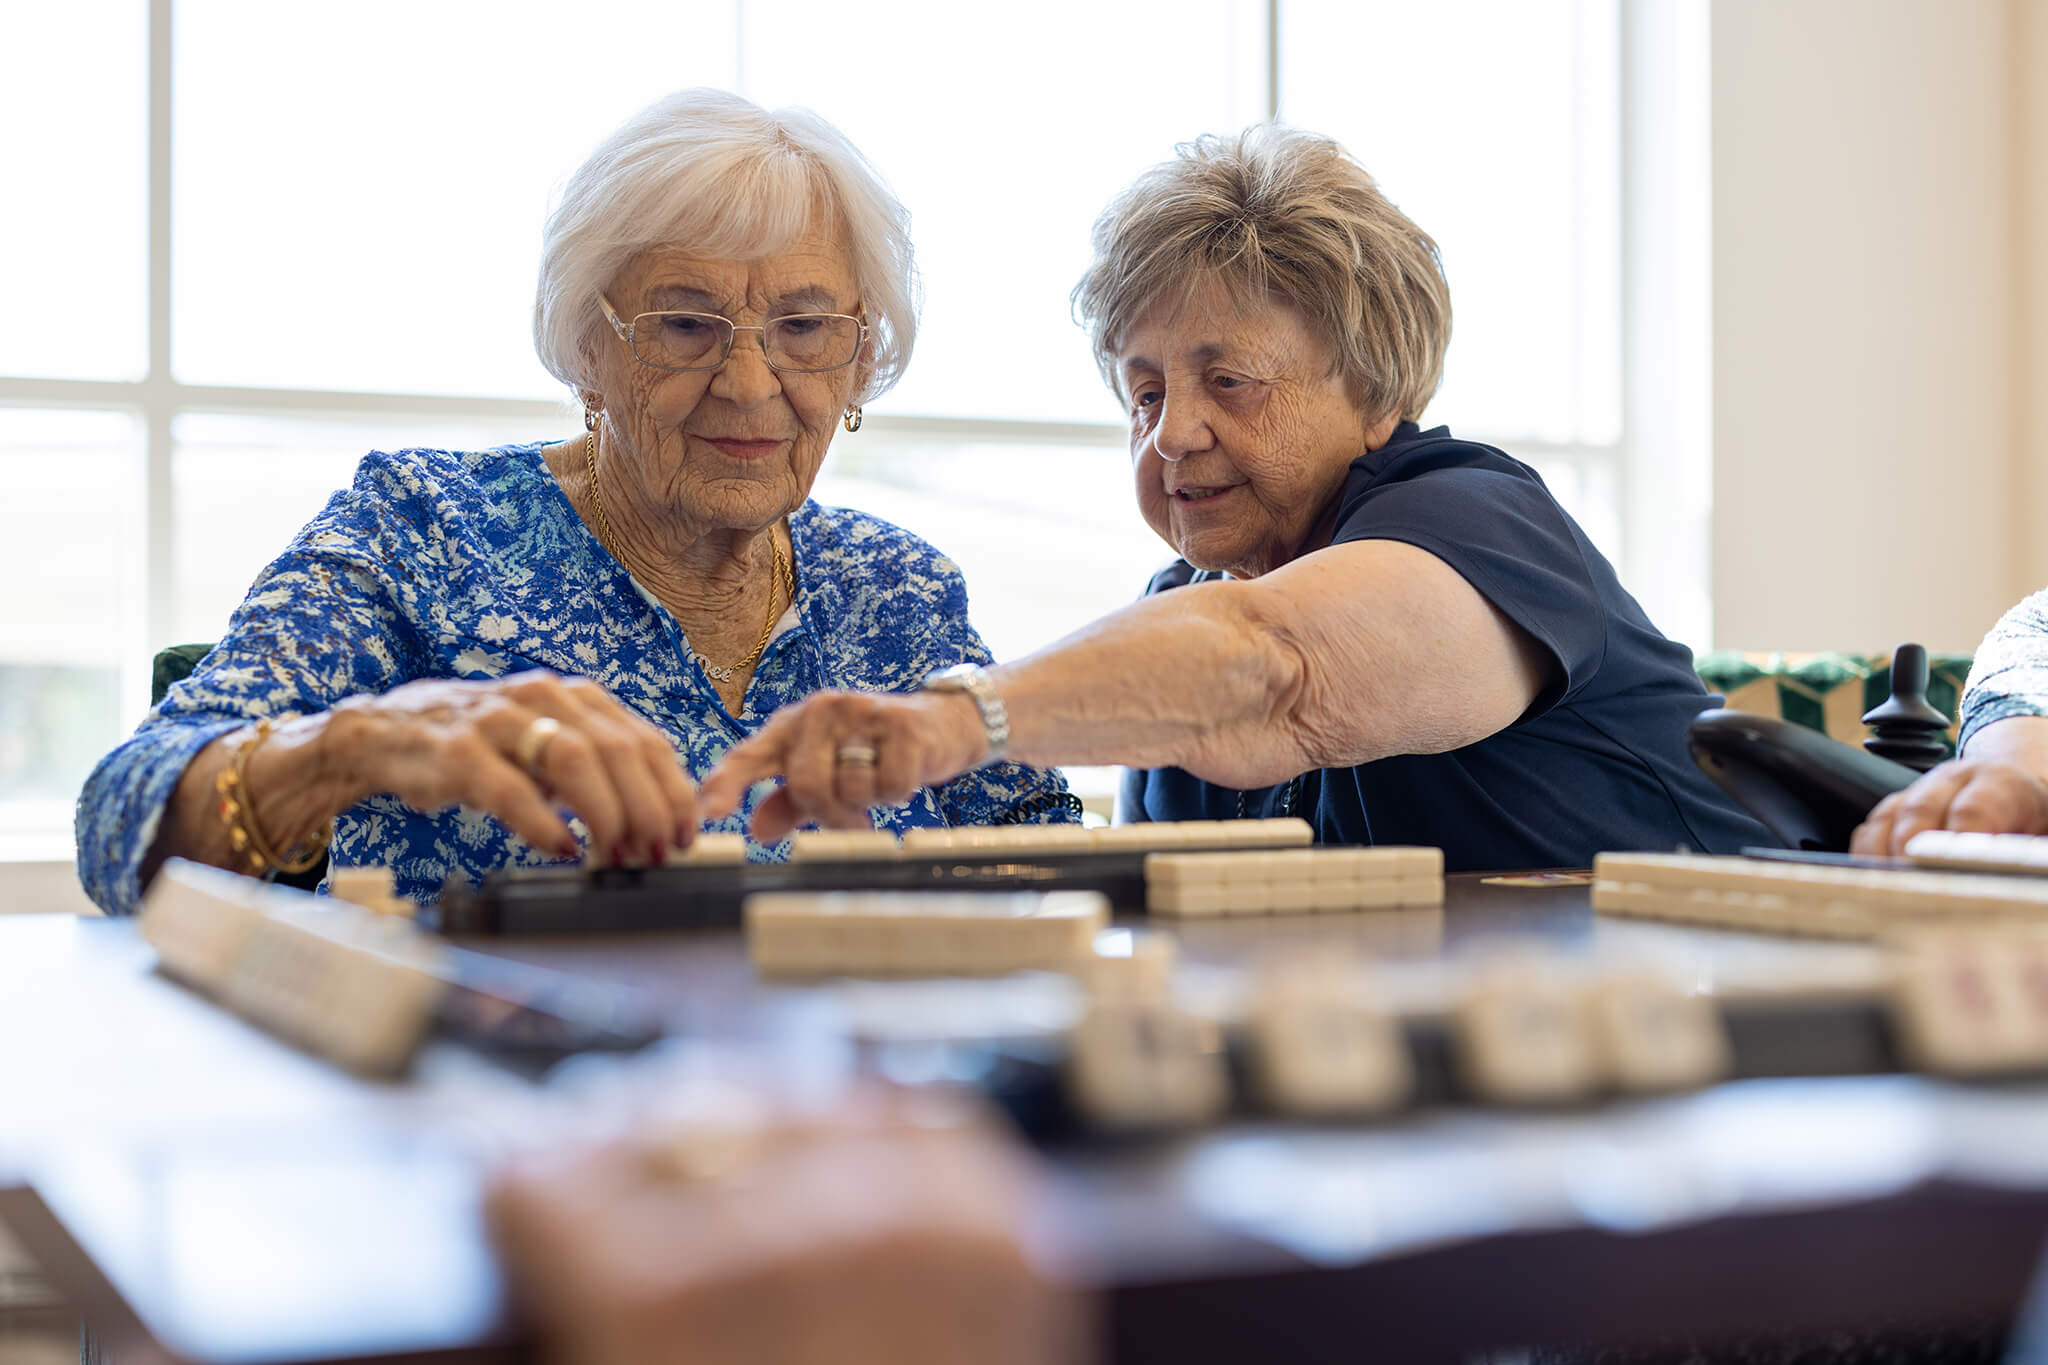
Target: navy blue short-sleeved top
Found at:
x=1599, y=760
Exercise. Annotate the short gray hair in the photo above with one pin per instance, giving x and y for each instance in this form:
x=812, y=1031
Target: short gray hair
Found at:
x=715, y=175
x=1277, y=211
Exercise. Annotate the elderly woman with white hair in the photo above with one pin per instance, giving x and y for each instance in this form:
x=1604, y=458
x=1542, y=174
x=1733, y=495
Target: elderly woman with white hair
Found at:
x=1394, y=633
x=465, y=647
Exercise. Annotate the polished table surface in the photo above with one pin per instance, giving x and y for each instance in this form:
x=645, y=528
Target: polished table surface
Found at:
x=206, y=1193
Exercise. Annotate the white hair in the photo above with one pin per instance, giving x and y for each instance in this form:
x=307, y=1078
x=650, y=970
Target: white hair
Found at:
x=717, y=176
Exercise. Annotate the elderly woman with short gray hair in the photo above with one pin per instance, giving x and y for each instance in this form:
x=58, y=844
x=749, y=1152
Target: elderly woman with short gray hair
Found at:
x=475, y=659
x=1394, y=633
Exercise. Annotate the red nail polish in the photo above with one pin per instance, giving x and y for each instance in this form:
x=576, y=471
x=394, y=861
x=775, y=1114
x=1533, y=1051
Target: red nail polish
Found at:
x=619, y=853
x=659, y=853
x=569, y=849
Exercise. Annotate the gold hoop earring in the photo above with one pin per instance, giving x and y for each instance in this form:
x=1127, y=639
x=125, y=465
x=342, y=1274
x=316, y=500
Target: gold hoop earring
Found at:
x=590, y=412
x=852, y=418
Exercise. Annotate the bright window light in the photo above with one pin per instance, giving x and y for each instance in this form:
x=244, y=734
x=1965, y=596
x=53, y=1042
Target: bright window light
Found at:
x=385, y=235
x=1514, y=168
x=74, y=174
x=1006, y=136
x=70, y=536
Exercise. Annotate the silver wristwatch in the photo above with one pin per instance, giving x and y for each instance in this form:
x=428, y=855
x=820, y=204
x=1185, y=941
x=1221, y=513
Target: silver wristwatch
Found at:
x=973, y=680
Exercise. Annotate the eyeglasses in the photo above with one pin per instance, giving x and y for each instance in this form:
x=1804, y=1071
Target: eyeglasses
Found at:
x=805, y=343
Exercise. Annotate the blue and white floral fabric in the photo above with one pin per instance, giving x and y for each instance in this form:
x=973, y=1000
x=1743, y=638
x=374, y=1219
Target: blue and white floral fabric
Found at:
x=443, y=564
x=2009, y=674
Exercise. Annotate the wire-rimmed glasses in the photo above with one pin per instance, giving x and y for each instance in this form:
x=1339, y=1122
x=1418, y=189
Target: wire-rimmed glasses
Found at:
x=803, y=343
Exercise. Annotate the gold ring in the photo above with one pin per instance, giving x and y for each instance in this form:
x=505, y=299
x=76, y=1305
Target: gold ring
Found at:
x=697, y=1154
x=533, y=742
x=856, y=753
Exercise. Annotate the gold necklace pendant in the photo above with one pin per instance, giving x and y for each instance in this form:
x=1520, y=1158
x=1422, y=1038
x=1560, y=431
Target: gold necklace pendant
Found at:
x=783, y=584
x=604, y=523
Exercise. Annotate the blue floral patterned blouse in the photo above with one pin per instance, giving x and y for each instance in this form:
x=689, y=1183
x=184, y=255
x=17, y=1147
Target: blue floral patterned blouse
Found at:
x=443, y=564
x=2009, y=675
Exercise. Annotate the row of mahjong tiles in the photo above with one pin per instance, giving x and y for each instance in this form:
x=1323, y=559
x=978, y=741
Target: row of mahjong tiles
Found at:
x=1145, y=836
x=1252, y=867
x=1962, y=1002
x=1965, y=1003
x=1528, y=1028
x=909, y=931
x=1801, y=898
x=899, y=929
x=1195, y=867
x=1969, y=1000
x=1323, y=1032
x=1930, y=848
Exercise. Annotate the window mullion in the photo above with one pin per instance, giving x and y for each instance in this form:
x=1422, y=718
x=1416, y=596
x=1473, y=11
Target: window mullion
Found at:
x=159, y=582
x=1273, y=59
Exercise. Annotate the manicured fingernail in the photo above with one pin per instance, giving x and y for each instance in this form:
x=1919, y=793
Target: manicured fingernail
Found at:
x=619, y=853
x=569, y=848
x=657, y=853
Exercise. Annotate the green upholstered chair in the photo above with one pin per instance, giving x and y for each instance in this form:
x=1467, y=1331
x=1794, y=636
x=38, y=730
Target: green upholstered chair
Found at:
x=173, y=665
x=1826, y=692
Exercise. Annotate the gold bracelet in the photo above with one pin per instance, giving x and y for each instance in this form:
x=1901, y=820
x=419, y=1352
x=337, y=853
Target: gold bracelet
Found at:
x=245, y=832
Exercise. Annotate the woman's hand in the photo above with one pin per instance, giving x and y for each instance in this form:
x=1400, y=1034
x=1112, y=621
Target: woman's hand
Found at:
x=842, y=752
x=852, y=1244
x=1985, y=795
x=445, y=742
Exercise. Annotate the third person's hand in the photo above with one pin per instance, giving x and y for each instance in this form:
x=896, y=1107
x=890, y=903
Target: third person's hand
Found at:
x=1981, y=795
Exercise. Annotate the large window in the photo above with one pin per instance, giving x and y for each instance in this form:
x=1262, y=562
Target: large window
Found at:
x=277, y=236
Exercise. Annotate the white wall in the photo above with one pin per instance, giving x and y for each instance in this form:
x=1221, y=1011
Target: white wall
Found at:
x=1866, y=428
x=2029, y=75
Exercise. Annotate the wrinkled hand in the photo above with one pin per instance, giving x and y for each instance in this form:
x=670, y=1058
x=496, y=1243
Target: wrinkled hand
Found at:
x=1982, y=795
x=439, y=743
x=918, y=739
x=833, y=1245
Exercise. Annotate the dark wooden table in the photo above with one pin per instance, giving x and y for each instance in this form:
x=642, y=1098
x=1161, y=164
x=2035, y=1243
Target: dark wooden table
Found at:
x=207, y=1194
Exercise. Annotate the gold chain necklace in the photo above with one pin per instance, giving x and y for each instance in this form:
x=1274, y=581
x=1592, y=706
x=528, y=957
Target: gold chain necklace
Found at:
x=783, y=585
